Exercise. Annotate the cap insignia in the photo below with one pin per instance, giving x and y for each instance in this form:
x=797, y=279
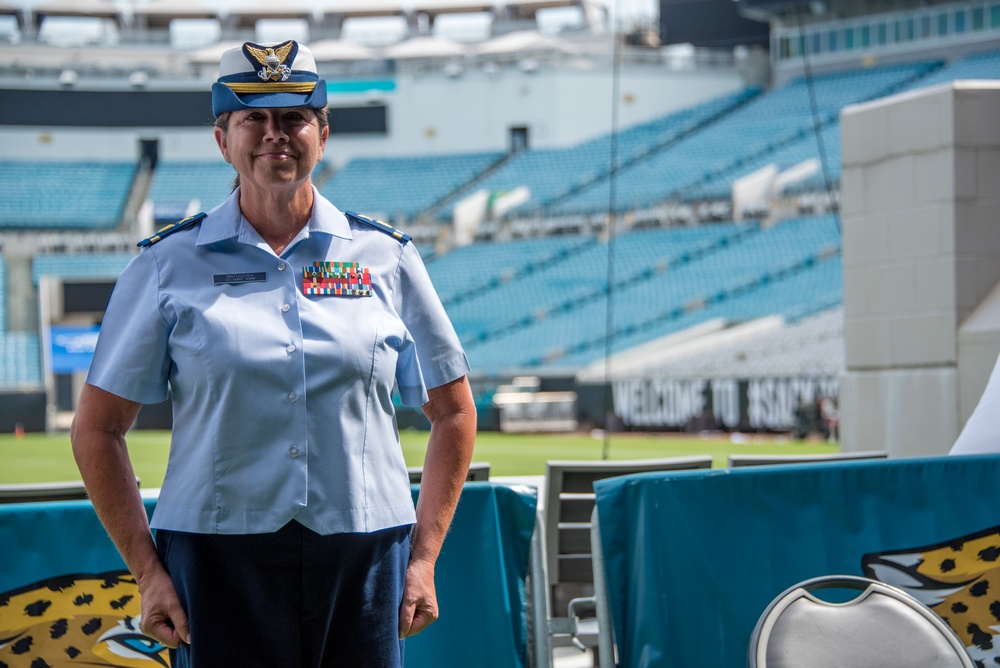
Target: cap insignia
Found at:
x=275, y=61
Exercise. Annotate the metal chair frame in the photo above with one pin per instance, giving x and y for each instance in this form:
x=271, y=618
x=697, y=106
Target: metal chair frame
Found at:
x=872, y=591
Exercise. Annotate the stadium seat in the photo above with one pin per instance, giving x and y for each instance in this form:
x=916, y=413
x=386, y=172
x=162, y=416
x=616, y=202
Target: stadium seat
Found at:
x=883, y=626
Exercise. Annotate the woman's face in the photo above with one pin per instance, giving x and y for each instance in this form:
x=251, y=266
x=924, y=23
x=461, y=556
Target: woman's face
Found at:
x=273, y=148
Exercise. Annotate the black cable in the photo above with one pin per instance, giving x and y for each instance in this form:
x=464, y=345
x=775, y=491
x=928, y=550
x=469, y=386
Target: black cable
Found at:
x=817, y=121
x=612, y=224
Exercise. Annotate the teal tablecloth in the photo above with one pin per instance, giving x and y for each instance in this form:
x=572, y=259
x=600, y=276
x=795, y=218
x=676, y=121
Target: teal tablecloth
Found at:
x=50, y=553
x=693, y=557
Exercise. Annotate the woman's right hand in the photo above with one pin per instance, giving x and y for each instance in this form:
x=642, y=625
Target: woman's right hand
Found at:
x=163, y=618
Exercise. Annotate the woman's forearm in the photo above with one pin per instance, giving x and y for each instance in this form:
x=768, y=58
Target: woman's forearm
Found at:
x=98, y=438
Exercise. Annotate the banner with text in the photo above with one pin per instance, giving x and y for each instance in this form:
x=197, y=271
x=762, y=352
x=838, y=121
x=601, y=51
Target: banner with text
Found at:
x=719, y=403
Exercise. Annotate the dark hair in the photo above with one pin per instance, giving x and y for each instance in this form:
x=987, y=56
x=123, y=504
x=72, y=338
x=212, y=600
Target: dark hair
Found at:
x=222, y=122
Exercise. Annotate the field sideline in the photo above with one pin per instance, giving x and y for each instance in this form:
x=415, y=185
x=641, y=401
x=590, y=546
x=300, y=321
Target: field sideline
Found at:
x=48, y=457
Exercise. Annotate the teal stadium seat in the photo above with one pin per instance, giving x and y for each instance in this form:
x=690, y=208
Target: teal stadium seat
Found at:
x=36, y=194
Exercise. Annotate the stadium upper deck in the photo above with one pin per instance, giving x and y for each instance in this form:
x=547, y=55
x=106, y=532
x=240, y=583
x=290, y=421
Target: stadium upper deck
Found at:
x=690, y=129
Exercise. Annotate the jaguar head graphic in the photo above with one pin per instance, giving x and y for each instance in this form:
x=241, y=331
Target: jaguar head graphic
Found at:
x=958, y=579
x=76, y=620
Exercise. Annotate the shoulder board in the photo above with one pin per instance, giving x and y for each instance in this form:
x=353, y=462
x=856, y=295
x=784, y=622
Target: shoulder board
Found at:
x=171, y=228
x=378, y=225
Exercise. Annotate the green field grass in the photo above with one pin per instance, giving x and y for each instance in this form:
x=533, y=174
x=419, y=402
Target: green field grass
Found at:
x=48, y=458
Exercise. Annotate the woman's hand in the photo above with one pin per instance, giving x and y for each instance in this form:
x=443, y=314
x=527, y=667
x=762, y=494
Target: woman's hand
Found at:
x=163, y=618
x=419, y=607
x=452, y=414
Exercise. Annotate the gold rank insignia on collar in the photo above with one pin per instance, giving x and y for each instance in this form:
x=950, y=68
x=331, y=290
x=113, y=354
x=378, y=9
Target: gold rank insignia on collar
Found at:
x=378, y=225
x=170, y=229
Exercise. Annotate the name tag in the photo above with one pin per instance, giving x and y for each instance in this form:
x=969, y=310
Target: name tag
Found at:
x=221, y=279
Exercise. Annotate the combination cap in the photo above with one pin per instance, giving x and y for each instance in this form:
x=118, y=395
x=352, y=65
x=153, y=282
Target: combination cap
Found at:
x=268, y=76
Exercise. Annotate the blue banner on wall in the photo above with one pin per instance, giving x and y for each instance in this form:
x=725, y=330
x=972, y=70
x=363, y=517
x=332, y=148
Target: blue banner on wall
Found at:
x=72, y=347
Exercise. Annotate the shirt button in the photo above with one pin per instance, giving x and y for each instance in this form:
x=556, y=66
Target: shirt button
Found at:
x=294, y=452
x=284, y=308
x=292, y=397
x=290, y=348
x=281, y=266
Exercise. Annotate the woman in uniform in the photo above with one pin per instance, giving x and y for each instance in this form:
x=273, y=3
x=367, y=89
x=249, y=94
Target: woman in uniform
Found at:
x=285, y=530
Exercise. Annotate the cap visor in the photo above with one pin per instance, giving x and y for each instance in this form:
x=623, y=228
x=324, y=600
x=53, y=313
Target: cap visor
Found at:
x=224, y=99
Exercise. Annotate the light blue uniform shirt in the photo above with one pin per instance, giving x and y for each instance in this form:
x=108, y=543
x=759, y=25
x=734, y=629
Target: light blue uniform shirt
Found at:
x=282, y=400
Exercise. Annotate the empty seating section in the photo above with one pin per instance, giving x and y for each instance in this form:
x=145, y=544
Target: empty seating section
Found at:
x=20, y=360
x=63, y=195
x=468, y=270
x=787, y=156
x=814, y=343
x=540, y=302
x=581, y=277
x=976, y=66
x=396, y=187
x=20, y=356
x=3, y=294
x=747, y=273
x=743, y=141
x=79, y=266
x=176, y=184
x=554, y=173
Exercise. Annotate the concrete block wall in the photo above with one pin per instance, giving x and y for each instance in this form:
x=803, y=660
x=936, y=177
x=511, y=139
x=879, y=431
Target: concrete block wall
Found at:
x=921, y=249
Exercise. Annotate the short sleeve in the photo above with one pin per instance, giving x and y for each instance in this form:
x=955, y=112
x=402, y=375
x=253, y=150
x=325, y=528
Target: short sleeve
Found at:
x=131, y=359
x=440, y=357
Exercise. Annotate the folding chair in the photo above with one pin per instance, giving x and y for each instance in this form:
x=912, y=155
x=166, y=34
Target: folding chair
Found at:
x=478, y=471
x=72, y=490
x=883, y=626
x=762, y=460
x=563, y=600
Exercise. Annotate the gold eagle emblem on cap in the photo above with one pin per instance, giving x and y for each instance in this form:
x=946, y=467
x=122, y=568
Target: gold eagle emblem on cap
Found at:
x=273, y=59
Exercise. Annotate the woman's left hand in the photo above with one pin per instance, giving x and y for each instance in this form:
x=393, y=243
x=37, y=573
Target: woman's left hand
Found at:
x=452, y=414
x=419, y=607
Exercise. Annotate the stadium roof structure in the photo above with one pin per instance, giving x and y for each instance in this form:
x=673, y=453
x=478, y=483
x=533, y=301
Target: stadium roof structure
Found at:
x=79, y=8
x=425, y=47
x=159, y=13
x=213, y=54
x=248, y=11
x=247, y=15
x=527, y=8
x=434, y=8
x=523, y=42
x=7, y=9
x=328, y=50
x=363, y=9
